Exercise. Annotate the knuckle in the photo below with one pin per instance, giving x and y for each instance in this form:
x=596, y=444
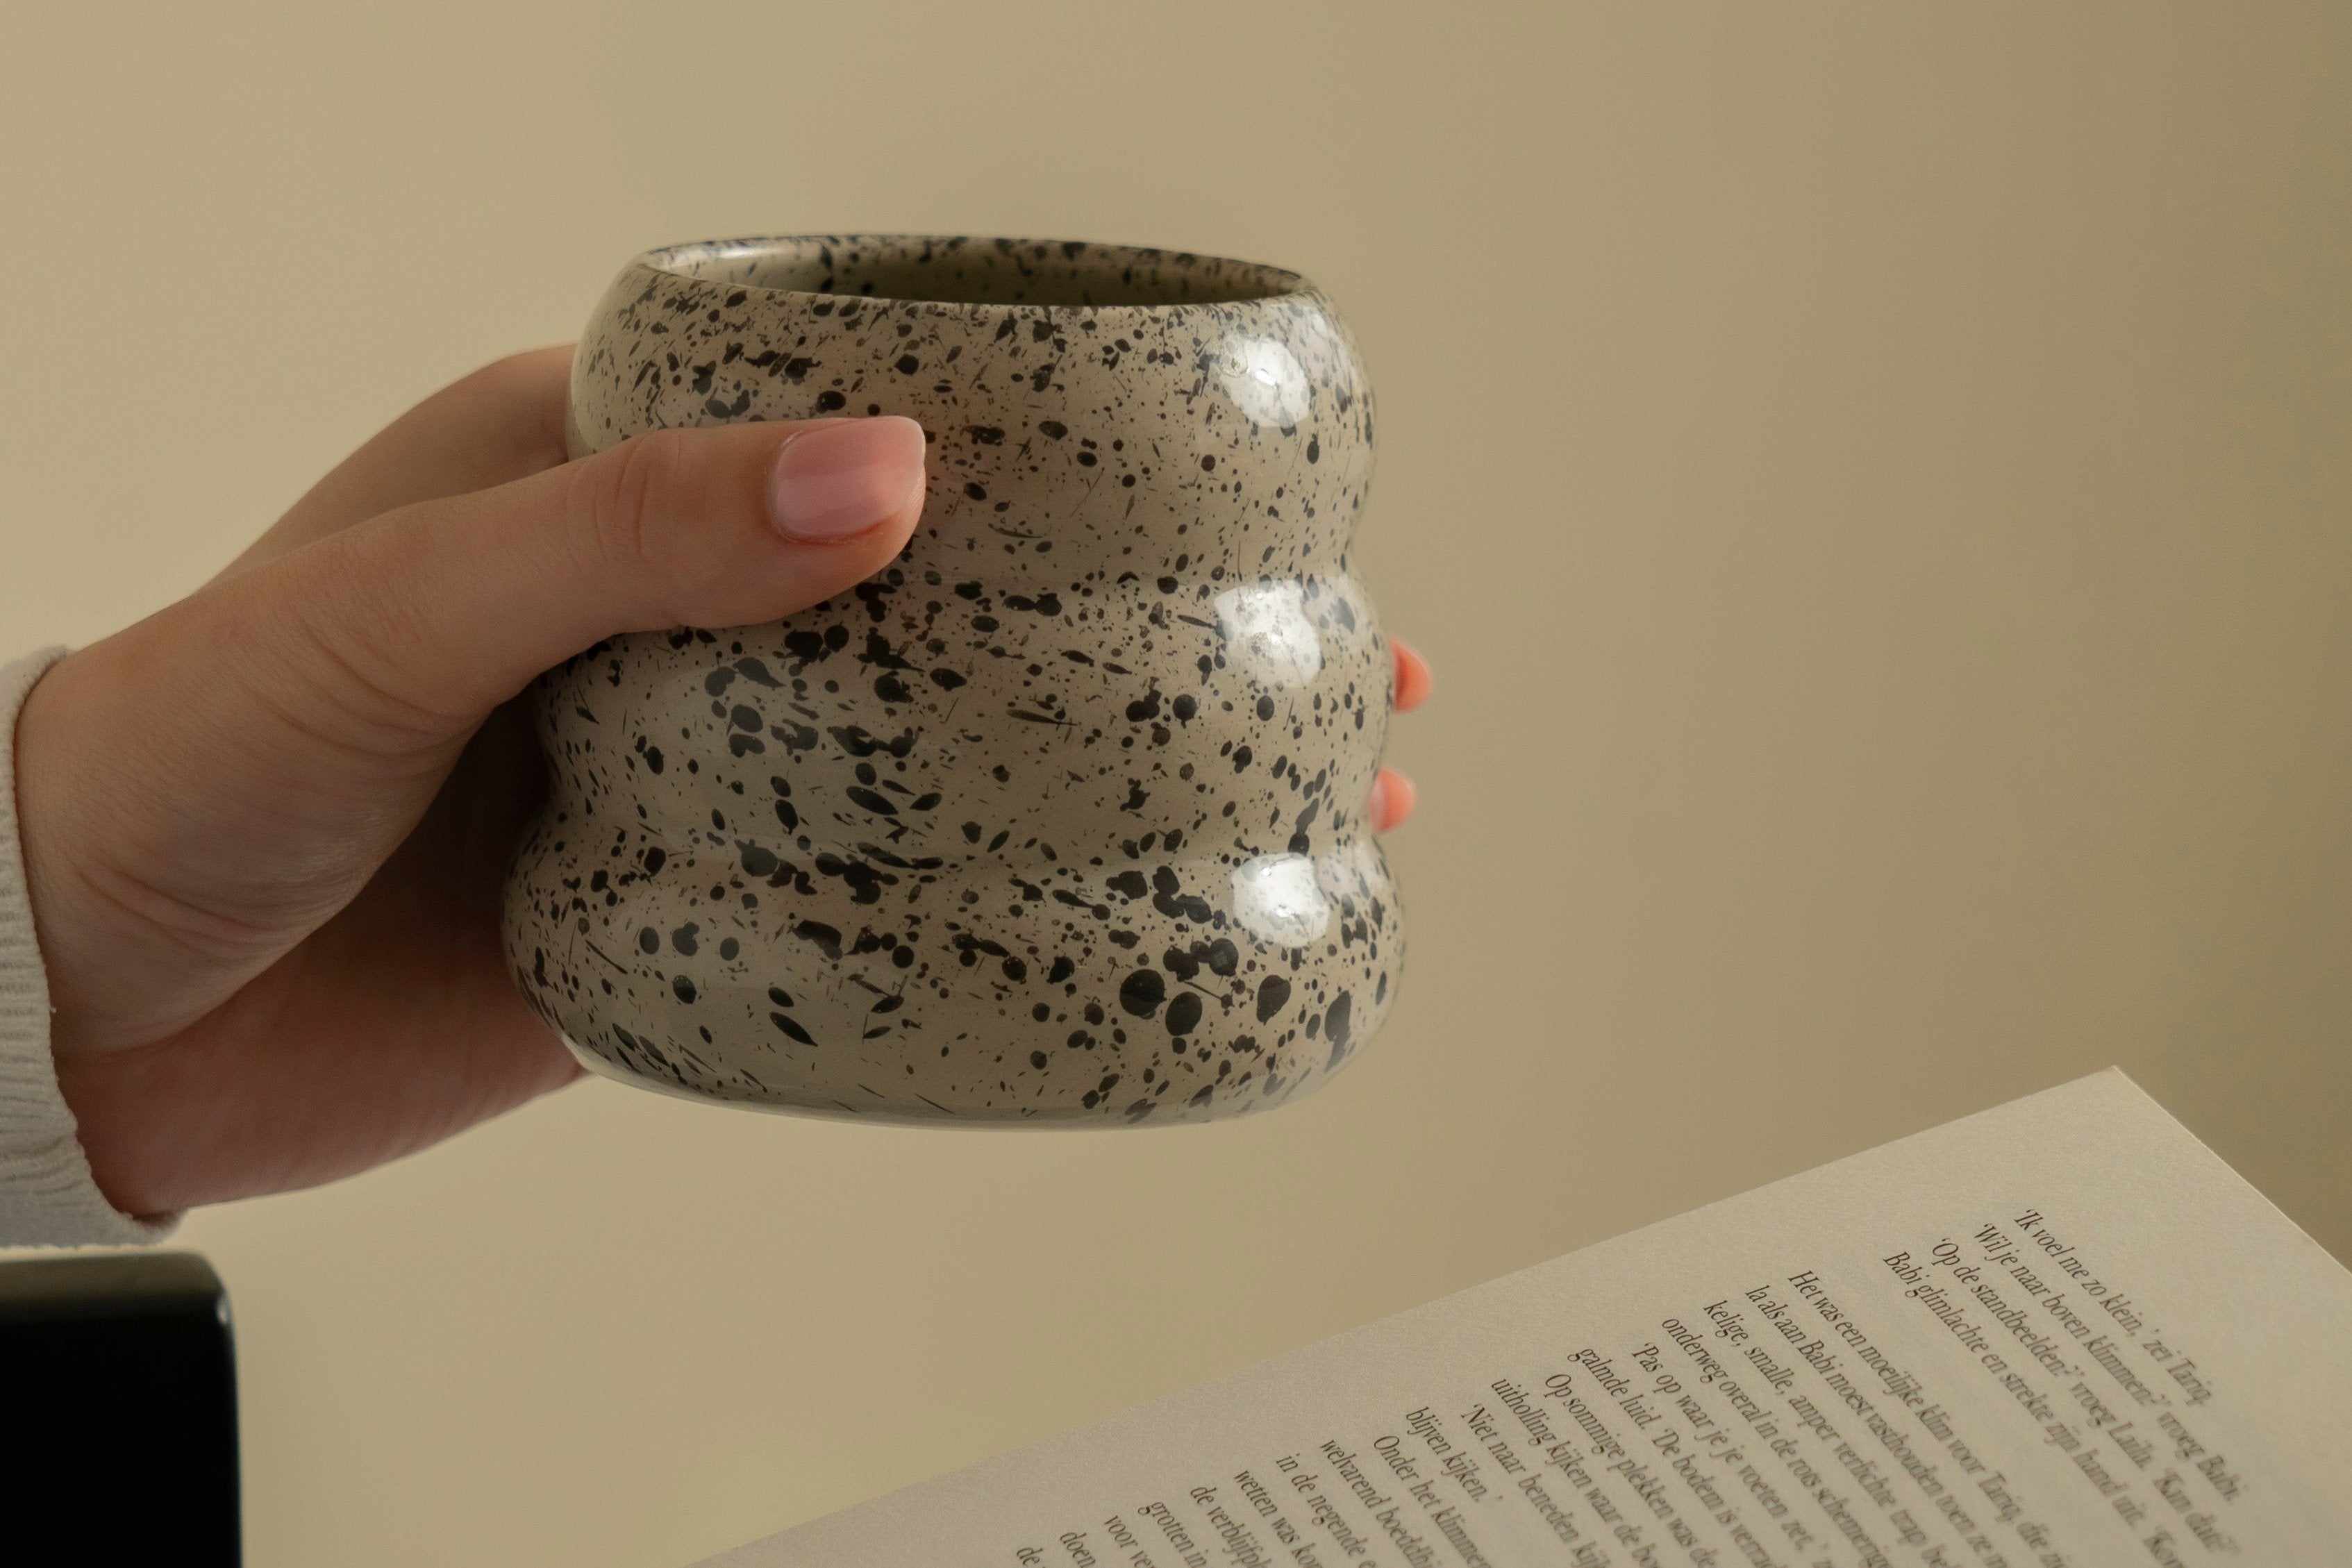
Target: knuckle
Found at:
x=524, y=372
x=619, y=496
x=517, y=400
x=541, y=379
x=361, y=650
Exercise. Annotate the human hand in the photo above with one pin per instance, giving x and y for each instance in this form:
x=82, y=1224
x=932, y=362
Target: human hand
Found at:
x=266, y=829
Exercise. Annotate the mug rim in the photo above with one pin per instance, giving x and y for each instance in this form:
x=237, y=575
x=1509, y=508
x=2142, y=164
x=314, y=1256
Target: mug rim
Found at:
x=1279, y=283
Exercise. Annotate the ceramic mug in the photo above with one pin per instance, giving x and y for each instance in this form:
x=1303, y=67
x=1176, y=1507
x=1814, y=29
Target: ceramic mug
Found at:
x=1061, y=819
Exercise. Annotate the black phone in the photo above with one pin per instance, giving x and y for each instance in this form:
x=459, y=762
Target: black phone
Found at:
x=118, y=1411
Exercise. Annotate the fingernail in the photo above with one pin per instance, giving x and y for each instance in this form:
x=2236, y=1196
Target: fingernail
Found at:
x=1392, y=800
x=836, y=480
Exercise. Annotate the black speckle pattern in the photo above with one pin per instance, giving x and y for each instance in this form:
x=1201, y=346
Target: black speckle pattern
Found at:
x=1060, y=818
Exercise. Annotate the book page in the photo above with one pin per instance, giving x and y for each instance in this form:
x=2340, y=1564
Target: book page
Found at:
x=2061, y=1332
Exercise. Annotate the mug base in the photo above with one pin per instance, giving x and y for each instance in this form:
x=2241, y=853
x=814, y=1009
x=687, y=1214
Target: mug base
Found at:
x=836, y=1111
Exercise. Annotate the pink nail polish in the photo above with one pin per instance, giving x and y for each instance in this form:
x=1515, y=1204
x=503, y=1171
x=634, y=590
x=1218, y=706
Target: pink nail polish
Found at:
x=836, y=480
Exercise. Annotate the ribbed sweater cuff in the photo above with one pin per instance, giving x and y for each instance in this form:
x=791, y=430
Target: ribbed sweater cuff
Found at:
x=47, y=1197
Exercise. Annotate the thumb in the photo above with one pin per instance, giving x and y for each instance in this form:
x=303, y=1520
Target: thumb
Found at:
x=415, y=625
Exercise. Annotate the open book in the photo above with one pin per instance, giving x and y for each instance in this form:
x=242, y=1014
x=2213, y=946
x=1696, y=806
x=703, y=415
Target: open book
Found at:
x=2061, y=1332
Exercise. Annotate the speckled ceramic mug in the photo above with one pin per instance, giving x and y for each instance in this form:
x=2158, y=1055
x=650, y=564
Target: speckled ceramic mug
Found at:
x=1062, y=817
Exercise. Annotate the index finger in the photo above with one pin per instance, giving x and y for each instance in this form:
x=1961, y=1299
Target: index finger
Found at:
x=498, y=424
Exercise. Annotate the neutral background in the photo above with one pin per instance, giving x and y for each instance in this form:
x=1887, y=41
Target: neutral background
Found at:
x=1873, y=480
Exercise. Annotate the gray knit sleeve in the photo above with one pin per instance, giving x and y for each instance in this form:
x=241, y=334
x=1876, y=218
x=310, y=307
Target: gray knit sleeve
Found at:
x=47, y=1197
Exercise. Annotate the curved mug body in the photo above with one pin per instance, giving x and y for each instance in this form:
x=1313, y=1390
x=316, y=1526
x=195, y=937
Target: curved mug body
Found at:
x=1059, y=819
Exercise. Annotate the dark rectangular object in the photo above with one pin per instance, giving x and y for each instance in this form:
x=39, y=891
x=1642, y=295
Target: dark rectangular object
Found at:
x=118, y=1411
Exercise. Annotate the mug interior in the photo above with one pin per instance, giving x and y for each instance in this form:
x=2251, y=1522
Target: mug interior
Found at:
x=970, y=271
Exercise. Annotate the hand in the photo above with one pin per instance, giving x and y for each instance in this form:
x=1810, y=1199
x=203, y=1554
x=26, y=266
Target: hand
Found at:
x=265, y=828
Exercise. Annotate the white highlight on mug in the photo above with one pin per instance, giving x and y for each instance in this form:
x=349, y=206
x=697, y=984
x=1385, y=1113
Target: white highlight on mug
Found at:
x=1265, y=380
x=1276, y=897
x=1268, y=631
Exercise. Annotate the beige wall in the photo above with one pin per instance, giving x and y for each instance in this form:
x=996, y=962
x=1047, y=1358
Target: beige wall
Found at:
x=1873, y=480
